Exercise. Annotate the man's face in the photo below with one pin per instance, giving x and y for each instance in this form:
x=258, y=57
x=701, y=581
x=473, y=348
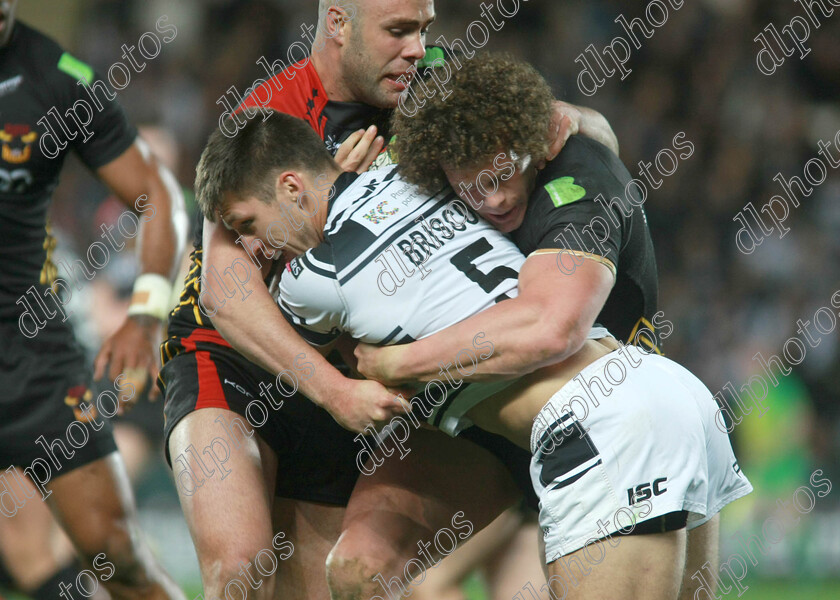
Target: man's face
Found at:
x=386, y=38
x=292, y=223
x=7, y=20
x=254, y=219
x=269, y=225
x=505, y=207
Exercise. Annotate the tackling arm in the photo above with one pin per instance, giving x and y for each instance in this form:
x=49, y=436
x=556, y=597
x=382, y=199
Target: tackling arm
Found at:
x=256, y=328
x=545, y=324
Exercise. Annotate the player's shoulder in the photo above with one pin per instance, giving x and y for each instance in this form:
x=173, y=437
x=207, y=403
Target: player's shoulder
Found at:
x=48, y=61
x=36, y=47
x=309, y=278
x=318, y=260
x=583, y=155
x=296, y=90
x=34, y=40
x=584, y=169
x=354, y=193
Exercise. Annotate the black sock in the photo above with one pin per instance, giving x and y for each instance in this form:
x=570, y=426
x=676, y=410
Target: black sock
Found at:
x=49, y=589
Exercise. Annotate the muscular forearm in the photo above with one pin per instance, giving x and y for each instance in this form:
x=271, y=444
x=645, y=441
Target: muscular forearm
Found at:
x=522, y=342
x=162, y=237
x=247, y=316
x=256, y=329
x=595, y=126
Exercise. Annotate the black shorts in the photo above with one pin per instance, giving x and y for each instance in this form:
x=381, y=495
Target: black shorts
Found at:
x=48, y=414
x=517, y=461
x=316, y=456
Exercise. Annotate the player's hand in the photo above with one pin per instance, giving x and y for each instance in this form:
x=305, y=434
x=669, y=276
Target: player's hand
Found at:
x=133, y=351
x=358, y=151
x=365, y=403
x=379, y=362
x=565, y=122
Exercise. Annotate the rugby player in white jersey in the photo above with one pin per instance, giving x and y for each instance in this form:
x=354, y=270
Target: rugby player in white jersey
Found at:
x=576, y=464
x=580, y=221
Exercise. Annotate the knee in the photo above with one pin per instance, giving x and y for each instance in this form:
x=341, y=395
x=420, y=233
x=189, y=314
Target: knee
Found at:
x=240, y=572
x=112, y=544
x=111, y=535
x=355, y=573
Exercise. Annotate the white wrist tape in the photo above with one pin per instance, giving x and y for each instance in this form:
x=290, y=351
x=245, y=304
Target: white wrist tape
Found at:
x=152, y=295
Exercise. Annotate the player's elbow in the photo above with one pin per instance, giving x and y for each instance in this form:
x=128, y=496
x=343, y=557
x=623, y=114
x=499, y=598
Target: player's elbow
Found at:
x=560, y=338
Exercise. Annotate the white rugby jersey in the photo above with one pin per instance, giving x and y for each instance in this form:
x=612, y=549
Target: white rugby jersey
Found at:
x=396, y=266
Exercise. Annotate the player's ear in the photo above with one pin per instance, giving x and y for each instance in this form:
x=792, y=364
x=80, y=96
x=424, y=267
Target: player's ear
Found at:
x=288, y=185
x=337, y=18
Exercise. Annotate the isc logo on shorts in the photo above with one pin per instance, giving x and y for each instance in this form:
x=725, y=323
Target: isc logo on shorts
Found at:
x=643, y=491
x=294, y=268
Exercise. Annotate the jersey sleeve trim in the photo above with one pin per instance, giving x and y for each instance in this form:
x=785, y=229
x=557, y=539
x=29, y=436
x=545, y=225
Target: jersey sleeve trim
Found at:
x=313, y=338
x=604, y=261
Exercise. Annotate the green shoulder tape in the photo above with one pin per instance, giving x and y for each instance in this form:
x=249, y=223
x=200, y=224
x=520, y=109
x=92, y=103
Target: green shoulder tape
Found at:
x=564, y=190
x=75, y=68
x=433, y=53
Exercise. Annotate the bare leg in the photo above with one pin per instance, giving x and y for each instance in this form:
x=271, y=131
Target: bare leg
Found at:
x=229, y=519
x=395, y=514
x=32, y=546
x=135, y=449
x=314, y=529
x=636, y=567
x=505, y=552
x=703, y=547
x=518, y=562
x=445, y=580
x=95, y=507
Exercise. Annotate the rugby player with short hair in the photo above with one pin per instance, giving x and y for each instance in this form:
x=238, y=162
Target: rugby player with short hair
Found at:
x=298, y=472
x=52, y=428
x=331, y=288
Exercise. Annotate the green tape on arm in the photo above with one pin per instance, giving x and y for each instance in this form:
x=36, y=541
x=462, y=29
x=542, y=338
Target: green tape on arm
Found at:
x=75, y=68
x=564, y=190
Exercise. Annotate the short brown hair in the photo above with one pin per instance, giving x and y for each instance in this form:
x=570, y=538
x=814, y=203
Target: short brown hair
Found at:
x=497, y=103
x=245, y=163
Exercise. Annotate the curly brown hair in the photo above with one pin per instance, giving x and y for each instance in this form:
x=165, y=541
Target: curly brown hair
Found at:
x=497, y=104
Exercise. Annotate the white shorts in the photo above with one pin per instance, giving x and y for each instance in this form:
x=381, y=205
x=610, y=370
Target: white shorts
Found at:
x=631, y=437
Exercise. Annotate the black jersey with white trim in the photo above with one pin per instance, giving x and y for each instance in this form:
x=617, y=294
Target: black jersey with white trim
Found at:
x=40, y=86
x=584, y=202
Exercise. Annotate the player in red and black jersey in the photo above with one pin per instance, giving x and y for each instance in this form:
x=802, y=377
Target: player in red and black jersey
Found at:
x=51, y=426
x=300, y=453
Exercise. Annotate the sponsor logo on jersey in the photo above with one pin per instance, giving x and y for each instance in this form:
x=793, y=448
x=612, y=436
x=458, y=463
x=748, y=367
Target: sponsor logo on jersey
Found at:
x=17, y=142
x=76, y=395
x=378, y=213
x=332, y=144
x=75, y=68
x=564, y=190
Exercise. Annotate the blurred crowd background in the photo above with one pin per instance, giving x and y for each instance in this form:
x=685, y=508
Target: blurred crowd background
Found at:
x=696, y=75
